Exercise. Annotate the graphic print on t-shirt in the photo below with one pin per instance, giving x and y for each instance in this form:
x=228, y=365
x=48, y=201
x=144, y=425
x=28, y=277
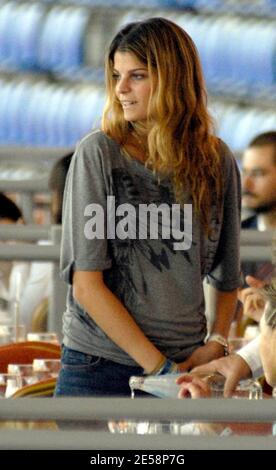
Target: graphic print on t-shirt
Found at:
x=138, y=191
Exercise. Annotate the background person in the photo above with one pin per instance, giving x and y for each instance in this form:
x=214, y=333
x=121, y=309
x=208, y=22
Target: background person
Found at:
x=9, y=212
x=193, y=386
x=257, y=357
x=259, y=182
x=232, y=367
x=258, y=197
x=56, y=185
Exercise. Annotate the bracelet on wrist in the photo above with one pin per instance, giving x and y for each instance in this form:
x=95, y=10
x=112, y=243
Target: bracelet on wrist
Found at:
x=170, y=367
x=165, y=367
x=159, y=366
x=217, y=338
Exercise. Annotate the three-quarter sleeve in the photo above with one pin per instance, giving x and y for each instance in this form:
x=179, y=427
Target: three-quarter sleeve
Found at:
x=225, y=273
x=85, y=199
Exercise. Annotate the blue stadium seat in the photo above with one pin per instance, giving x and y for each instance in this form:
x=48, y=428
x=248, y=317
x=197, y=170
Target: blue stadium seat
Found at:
x=265, y=54
x=19, y=34
x=6, y=92
x=52, y=30
x=14, y=117
x=23, y=112
x=8, y=13
x=65, y=133
x=29, y=26
x=88, y=107
x=34, y=131
x=56, y=97
x=229, y=122
x=62, y=38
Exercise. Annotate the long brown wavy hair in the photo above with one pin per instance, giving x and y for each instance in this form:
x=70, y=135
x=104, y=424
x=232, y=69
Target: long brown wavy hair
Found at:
x=180, y=138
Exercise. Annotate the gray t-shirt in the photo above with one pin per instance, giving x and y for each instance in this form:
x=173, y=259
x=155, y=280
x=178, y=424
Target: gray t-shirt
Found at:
x=161, y=287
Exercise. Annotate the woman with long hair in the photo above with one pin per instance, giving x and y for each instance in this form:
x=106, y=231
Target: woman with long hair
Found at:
x=151, y=208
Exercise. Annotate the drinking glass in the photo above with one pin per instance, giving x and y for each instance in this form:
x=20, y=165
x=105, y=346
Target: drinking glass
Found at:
x=251, y=332
x=46, y=368
x=128, y=427
x=4, y=304
x=237, y=343
x=25, y=371
x=250, y=388
x=47, y=337
x=139, y=427
x=12, y=334
x=9, y=384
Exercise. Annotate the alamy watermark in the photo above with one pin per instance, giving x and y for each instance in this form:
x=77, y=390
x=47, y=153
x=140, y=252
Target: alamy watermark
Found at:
x=143, y=221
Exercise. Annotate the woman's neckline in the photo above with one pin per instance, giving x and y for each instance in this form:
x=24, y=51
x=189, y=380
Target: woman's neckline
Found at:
x=132, y=152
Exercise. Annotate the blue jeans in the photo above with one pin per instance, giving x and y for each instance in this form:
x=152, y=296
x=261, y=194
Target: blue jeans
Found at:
x=94, y=376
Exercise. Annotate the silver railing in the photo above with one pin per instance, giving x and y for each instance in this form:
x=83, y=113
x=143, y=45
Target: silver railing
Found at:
x=255, y=245
x=89, y=411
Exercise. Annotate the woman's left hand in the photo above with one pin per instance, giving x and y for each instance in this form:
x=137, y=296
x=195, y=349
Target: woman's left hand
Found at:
x=193, y=386
x=202, y=355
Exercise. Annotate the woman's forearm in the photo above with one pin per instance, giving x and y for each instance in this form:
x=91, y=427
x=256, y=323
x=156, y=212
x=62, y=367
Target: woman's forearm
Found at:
x=114, y=319
x=224, y=306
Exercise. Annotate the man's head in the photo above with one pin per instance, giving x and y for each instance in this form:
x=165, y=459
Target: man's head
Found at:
x=9, y=212
x=57, y=181
x=259, y=174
